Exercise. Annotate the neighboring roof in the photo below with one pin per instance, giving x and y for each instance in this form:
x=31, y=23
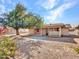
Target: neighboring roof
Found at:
x=68, y=25
x=77, y=27
x=57, y=25
x=72, y=29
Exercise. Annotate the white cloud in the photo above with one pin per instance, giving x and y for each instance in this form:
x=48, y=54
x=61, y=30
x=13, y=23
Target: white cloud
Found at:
x=3, y=4
x=2, y=9
x=58, y=12
x=48, y=4
x=6, y=1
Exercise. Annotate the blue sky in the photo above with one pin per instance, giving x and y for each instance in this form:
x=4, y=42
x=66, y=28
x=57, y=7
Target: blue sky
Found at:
x=53, y=11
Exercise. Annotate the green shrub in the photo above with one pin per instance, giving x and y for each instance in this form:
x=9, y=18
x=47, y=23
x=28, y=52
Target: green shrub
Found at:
x=77, y=50
x=7, y=48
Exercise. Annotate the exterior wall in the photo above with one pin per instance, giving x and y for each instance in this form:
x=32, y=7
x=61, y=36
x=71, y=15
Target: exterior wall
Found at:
x=50, y=32
x=43, y=31
x=53, y=33
x=38, y=32
x=24, y=31
x=21, y=31
x=74, y=32
x=65, y=31
x=10, y=31
x=31, y=31
x=77, y=32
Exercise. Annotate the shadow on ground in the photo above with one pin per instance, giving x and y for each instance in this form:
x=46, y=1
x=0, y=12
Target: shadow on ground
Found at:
x=67, y=39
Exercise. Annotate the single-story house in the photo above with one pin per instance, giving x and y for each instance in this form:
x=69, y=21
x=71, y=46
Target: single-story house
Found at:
x=57, y=30
x=74, y=30
x=54, y=30
x=77, y=30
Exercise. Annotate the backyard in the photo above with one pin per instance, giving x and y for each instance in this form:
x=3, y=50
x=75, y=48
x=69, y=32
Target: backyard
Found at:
x=33, y=30
x=35, y=47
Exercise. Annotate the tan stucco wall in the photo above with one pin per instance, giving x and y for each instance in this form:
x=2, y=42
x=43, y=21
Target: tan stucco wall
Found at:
x=65, y=31
x=53, y=33
x=10, y=31
x=21, y=31
x=43, y=32
x=31, y=31
x=76, y=32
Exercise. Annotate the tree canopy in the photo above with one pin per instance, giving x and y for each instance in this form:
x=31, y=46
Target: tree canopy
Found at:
x=20, y=18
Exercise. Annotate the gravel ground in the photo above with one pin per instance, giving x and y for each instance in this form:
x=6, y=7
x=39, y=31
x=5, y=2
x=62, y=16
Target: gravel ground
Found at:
x=27, y=48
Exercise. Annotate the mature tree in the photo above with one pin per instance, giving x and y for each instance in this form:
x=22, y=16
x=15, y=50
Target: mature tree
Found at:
x=34, y=21
x=2, y=20
x=15, y=18
x=18, y=18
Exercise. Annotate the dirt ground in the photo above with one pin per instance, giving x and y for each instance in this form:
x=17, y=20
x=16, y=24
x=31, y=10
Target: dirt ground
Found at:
x=45, y=48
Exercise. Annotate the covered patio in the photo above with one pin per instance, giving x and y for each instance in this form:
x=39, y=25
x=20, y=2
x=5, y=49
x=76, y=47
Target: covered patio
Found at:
x=56, y=30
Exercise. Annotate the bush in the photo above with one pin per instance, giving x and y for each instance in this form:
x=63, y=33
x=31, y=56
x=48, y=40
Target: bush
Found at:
x=7, y=48
x=77, y=50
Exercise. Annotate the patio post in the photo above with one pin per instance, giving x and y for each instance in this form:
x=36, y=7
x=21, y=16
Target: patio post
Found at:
x=60, y=31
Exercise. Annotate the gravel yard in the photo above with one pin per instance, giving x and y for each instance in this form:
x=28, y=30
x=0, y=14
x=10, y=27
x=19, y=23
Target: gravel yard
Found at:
x=30, y=48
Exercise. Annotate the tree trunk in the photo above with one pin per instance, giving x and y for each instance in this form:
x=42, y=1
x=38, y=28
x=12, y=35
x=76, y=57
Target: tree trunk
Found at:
x=17, y=31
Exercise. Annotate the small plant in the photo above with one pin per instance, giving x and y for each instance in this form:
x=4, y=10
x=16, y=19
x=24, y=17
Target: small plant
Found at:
x=77, y=50
x=7, y=48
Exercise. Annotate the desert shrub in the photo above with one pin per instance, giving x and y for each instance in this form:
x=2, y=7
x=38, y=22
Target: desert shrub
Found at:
x=7, y=48
x=77, y=50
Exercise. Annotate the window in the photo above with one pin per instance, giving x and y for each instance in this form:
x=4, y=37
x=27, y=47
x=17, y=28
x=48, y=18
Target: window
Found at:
x=57, y=29
x=37, y=30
